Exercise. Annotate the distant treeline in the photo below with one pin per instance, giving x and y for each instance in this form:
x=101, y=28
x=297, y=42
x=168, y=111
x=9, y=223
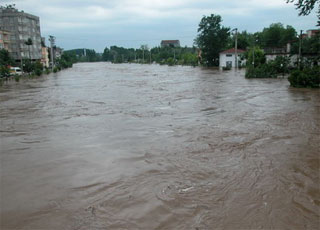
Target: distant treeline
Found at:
x=161, y=55
x=212, y=38
x=83, y=55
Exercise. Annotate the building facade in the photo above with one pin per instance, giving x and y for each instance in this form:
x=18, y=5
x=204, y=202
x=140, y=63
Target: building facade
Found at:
x=227, y=58
x=21, y=26
x=4, y=39
x=45, y=56
x=44, y=53
x=311, y=33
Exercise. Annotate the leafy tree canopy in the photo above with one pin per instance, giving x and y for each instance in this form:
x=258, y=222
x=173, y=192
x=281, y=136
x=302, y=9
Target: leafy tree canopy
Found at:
x=212, y=38
x=305, y=7
x=276, y=35
x=28, y=42
x=5, y=58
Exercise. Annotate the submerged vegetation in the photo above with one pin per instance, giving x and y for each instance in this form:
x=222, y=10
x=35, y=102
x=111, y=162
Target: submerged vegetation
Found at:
x=308, y=77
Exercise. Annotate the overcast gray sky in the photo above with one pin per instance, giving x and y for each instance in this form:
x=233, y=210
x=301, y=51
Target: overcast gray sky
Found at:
x=96, y=24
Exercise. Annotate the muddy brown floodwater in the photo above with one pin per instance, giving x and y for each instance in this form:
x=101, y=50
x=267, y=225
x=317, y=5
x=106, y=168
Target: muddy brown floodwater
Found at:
x=103, y=146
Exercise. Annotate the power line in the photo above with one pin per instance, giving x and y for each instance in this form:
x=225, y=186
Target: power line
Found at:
x=118, y=40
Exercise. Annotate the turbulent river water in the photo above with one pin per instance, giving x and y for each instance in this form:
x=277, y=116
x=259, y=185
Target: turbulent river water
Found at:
x=127, y=146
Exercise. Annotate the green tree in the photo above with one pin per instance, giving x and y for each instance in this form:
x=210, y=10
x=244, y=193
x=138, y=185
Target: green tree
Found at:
x=305, y=7
x=28, y=67
x=255, y=56
x=245, y=40
x=212, y=38
x=5, y=62
x=280, y=64
x=309, y=45
x=276, y=35
x=29, y=43
x=5, y=58
x=106, y=55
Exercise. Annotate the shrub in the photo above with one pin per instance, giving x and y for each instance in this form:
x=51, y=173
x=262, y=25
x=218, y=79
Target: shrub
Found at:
x=170, y=61
x=4, y=72
x=226, y=68
x=38, y=72
x=17, y=78
x=261, y=71
x=55, y=69
x=306, y=78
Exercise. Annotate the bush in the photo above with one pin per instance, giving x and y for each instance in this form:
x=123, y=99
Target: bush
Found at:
x=17, y=78
x=280, y=64
x=261, y=71
x=28, y=67
x=4, y=72
x=226, y=68
x=38, y=72
x=170, y=61
x=55, y=69
x=306, y=78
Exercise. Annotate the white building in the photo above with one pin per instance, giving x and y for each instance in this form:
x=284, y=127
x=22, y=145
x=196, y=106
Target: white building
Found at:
x=227, y=58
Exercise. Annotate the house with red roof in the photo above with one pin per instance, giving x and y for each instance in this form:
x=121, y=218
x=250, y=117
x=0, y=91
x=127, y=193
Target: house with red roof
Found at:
x=227, y=58
x=170, y=43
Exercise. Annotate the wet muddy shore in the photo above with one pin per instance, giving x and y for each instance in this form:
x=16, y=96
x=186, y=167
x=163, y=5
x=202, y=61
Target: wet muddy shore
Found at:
x=128, y=146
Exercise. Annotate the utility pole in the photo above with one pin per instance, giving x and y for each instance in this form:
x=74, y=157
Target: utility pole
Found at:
x=300, y=44
x=150, y=56
x=236, y=49
x=143, y=54
x=85, y=52
x=253, y=57
x=52, y=41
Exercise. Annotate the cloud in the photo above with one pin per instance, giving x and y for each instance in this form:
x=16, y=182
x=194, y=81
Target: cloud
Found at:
x=97, y=23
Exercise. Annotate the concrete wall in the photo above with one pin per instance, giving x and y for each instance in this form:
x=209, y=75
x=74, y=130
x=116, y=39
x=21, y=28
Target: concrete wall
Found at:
x=21, y=27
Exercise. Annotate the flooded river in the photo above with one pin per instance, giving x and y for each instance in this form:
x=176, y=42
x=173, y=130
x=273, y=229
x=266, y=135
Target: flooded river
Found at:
x=103, y=146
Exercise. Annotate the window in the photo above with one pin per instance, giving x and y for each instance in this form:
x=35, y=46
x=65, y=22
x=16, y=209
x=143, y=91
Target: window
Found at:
x=229, y=64
x=229, y=55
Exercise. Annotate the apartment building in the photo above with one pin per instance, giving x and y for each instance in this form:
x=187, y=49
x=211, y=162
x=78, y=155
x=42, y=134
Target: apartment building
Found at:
x=4, y=39
x=21, y=27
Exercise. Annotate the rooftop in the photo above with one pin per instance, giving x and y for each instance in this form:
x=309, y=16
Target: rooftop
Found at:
x=231, y=51
x=169, y=41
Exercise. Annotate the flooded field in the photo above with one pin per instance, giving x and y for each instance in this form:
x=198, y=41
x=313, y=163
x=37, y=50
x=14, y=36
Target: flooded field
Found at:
x=104, y=146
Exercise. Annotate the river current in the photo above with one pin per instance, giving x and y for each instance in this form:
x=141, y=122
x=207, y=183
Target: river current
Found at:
x=128, y=146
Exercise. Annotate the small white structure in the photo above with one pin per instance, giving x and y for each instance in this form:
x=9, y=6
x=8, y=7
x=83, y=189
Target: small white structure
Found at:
x=227, y=58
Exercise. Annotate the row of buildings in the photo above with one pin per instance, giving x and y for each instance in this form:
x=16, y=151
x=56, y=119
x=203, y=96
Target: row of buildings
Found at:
x=16, y=28
x=227, y=57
